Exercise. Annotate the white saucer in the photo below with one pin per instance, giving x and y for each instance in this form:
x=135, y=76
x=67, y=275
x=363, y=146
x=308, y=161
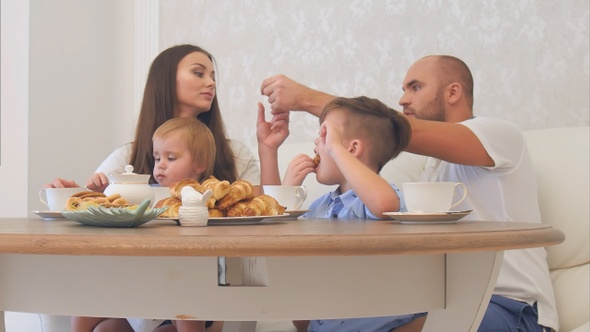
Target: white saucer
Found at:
x=294, y=214
x=443, y=217
x=234, y=221
x=50, y=215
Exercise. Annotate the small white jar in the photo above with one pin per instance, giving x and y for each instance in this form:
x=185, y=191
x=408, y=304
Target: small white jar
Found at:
x=134, y=187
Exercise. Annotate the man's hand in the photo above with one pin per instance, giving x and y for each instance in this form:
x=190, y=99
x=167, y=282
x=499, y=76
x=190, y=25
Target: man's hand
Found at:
x=284, y=95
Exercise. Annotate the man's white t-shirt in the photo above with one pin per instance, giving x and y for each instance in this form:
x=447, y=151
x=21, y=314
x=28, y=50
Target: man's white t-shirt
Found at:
x=505, y=192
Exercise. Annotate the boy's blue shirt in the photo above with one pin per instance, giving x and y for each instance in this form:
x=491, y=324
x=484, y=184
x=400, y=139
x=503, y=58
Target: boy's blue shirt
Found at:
x=328, y=206
x=350, y=206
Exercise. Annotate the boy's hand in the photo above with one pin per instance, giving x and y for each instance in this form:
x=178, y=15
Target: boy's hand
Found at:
x=331, y=136
x=298, y=169
x=97, y=182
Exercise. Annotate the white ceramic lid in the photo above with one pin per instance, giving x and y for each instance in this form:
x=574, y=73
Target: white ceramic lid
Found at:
x=129, y=177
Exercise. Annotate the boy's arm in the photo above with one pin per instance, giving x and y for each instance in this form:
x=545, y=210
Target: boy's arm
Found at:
x=373, y=190
x=270, y=136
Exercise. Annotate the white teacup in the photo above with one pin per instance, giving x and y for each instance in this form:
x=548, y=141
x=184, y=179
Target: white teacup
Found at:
x=289, y=196
x=56, y=198
x=430, y=197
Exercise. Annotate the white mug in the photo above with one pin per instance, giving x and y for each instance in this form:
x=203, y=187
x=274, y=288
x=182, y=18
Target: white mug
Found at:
x=431, y=197
x=56, y=198
x=291, y=197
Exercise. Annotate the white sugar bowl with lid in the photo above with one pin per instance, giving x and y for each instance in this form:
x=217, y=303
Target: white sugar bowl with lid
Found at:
x=134, y=187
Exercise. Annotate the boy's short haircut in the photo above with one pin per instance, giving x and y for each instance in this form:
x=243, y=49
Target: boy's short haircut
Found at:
x=198, y=137
x=386, y=130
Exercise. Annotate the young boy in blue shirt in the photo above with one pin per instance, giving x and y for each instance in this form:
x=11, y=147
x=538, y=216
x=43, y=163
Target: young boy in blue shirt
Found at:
x=357, y=137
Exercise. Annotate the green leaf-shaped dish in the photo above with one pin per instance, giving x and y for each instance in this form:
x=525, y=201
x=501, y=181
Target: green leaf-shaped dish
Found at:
x=115, y=217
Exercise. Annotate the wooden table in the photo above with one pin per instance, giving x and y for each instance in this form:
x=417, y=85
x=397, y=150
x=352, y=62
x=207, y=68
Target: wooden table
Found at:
x=311, y=269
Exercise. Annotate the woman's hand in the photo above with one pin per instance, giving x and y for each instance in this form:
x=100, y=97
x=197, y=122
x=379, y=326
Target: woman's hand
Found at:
x=271, y=134
x=97, y=182
x=61, y=183
x=298, y=169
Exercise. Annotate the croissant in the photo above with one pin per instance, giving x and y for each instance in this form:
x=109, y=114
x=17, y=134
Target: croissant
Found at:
x=238, y=191
x=255, y=207
x=176, y=187
x=263, y=205
x=219, y=188
x=84, y=200
x=77, y=203
x=316, y=159
x=237, y=209
x=273, y=207
x=173, y=204
x=215, y=213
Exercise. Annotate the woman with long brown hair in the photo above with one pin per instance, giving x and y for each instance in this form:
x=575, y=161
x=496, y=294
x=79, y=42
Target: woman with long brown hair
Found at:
x=180, y=83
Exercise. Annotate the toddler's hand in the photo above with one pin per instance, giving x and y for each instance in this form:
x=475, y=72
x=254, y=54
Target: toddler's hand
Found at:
x=97, y=182
x=298, y=169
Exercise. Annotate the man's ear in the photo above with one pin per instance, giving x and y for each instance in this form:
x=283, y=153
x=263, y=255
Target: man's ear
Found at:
x=454, y=92
x=356, y=147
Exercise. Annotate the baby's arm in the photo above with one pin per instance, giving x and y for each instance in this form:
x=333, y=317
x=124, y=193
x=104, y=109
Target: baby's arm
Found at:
x=298, y=169
x=270, y=135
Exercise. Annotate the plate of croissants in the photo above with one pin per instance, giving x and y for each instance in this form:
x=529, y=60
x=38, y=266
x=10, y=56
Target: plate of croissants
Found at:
x=230, y=204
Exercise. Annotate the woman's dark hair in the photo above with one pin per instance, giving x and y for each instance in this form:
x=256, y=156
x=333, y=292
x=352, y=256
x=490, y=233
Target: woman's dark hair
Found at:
x=159, y=105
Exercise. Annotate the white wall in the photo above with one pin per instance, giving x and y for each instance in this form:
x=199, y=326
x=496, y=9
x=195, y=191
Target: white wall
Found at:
x=529, y=58
x=75, y=77
x=81, y=87
x=72, y=69
x=14, y=107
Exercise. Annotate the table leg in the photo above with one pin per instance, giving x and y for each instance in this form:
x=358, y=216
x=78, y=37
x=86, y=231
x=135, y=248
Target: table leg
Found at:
x=2, y=326
x=470, y=279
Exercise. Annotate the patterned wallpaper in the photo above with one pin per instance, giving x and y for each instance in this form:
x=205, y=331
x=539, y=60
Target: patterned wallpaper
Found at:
x=530, y=59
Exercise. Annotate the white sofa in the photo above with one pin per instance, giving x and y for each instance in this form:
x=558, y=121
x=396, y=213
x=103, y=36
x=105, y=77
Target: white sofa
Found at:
x=561, y=157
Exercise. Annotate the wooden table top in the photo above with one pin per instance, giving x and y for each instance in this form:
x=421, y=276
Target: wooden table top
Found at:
x=318, y=237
